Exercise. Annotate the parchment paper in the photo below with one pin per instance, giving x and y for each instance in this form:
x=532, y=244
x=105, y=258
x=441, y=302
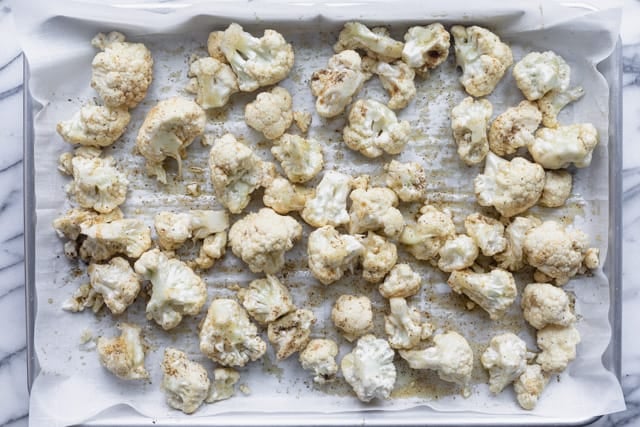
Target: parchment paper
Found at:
x=73, y=387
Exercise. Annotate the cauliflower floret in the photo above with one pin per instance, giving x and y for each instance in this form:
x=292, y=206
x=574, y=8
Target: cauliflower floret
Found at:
x=376, y=43
x=397, y=80
x=122, y=72
x=426, y=47
x=529, y=386
x=451, y=356
x=554, y=101
x=84, y=297
x=505, y=359
x=213, y=248
x=214, y=46
x=512, y=258
x=174, y=229
x=257, y=62
x=558, y=345
x=168, y=129
x=212, y=81
x=300, y=158
x=129, y=237
x=124, y=356
x=408, y=180
x=69, y=225
x=319, y=356
x=228, y=337
x=558, y=148
x=336, y=85
x=261, y=239
x=369, y=368
x=266, y=299
x=95, y=126
x=495, y=291
x=511, y=187
x=469, y=122
x=331, y=253
x=483, y=57
x=378, y=258
x=402, y=282
x=544, y=304
x=222, y=387
x=374, y=129
x=486, y=232
x=302, y=119
x=284, y=197
x=116, y=282
x=176, y=290
x=403, y=325
x=457, y=253
x=557, y=189
x=329, y=205
x=185, y=382
x=538, y=73
x=352, y=315
x=424, y=239
x=270, y=113
x=514, y=128
x=375, y=209
x=290, y=333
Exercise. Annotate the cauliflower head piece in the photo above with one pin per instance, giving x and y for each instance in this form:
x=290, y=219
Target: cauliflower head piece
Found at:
x=486, y=232
x=319, y=356
x=116, y=282
x=374, y=209
x=329, y=205
x=69, y=225
x=212, y=81
x=301, y=158
x=505, y=359
x=544, y=304
x=558, y=345
x=407, y=180
x=512, y=258
x=222, y=387
x=469, y=122
x=173, y=229
x=560, y=147
x=291, y=332
x=458, y=253
x=398, y=80
x=495, y=291
x=184, y=381
x=284, y=197
x=404, y=325
x=378, y=258
x=83, y=297
x=541, y=72
x=266, y=299
x=529, y=386
x=94, y=126
x=123, y=356
x=557, y=188
x=401, y=282
x=433, y=228
x=330, y=253
x=104, y=240
x=352, y=315
x=376, y=42
x=213, y=248
x=554, y=101
x=270, y=113
x=514, y=128
x=426, y=47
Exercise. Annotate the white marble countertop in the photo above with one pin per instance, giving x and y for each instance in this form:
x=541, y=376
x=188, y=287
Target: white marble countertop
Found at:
x=13, y=379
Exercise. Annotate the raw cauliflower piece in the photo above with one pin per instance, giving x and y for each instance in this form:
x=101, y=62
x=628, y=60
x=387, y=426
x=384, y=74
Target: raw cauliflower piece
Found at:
x=212, y=81
x=129, y=237
x=222, y=387
x=407, y=180
x=329, y=205
x=403, y=325
x=512, y=258
x=352, y=315
x=505, y=359
x=557, y=188
x=374, y=209
x=174, y=229
x=401, y=282
x=227, y=335
x=486, y=232
x=514, y=128
x=378, y=258
x=331, y=253
x=335, y=86
x=266, y=299
x=451, y=356
x=397, y=79
x=185, y=382
x=168, y=129
x=301, y=158
x=369, y=368
x=554, y=101
x=116, y=282
x=529, y=386
x=426, y=47
x=538, y=73
x=284, y=197
x=558, y=148
x=94, y=126
x=376, y=42
x=84, y=297
x=270, y=113
x=544, y=304
x=483, y=57
x=457, y=253
x=424, y=239
x=495, y=291
x=123, y=356
x=374, y=129
x=261, y=239
x=122, y=72
x=558, y=345
x=469, y=122
x=319, y=356
x=511, y=187
x=290, y=333
x=176, y=290
x=213, y=248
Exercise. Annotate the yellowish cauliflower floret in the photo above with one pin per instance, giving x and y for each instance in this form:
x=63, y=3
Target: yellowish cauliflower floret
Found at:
x=457, y=253
x=505, y=359
x=175, y=229
x=495, y=291
x=185, y=382
x=514, y=128
x=483, y=57
x=227, y=335
x=331, y=253
x=302, y=119
x=469, y=121
x=375, y=209
x=512, y=258
x=529, y=386
x=84, y=297
x=168, y=129
x=222, y=387
x=270, y=113
x=212, y=81
x=376, y=43
x=300, y=158
x=122, y=72
x=557, y=188
x=558, y=148
x=266, y=299
x=424, y=239
x=404, y=325
x=213, y=248
x=426, y=47
x=369, y=368
x=116, y=282
x=261, y=239
x=486, y=232
x=284, y=197
x=558, y=345
x=290, y=333
x=129, y=237
x=511, y=187
x=329, y=205
x=378, y=258
x=94, y=126
x=407, y=180
x=544, y=304
x=397, y=80
x=319, y=356
x=124, y=356
x=554, y=101
x=352, y=315
x=402, y=282
x=538, y=73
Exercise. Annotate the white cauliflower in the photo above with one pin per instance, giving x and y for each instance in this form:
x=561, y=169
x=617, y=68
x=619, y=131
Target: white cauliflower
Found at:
x=290, y=333
x=261, y=239
x=469, y=122
x=451, y=356
x=558, y=345
x=227, y=335
x=554, y=101
x=94, y=126
x=213, y=248
x=512, y=258
x=301, y=158
x=222, y=387
x=424, y=239
x=374, y=209
x=122, y=72
x=374, y=129
x=302, y=119
x=270, y=113
x=284, y=197
x=529, y=386
x=212, y=81
x=401, y=282
x=505, y=359
x=129, y=237
x=266, y=299
x=538, y=73
x=557, y=188
x=558, y=148
x=168, y=129
x=70, y=224
x=495, y=291
x=511, y=187
x=116, y=282
x=319, y=356
x=457, y=253
x=185, y=382
x=426, y=47
x=352, y=315
x=514, y=128
x=331, y=253
x=369, y=368
x=378, y=258
x=483, y=57
x=124, y=355
x=486, y=232
x=176, y=290
x=329, y=205
x=544, y=304
x=376, y=43
x=404, y=325
x=84, y=297
x=175, y=229
x=407, y=180
x=397, y=79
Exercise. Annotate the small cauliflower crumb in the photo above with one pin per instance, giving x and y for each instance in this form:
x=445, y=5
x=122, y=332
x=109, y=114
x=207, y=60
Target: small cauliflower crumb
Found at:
x=401, y=282
x=558, y=345
x=560, y=147
x=266, y=299
x=557, y=188
x=426, y=47
x=222, y=387
x=538, y=73
x=469, y=122
x=319, y=356
x=94, y=126
x=270, y=113
x=329, y=205
x=123, y=356
x=514, y=128
x=506, y=359
x=352, y=315
x=330, y=253
x=290, y=333
x=301, y=158
x=486, y=232
x=544, y=304
x=407, y=180
x=424, y=239
x=495, y=291
x=378, y=258
x=184, y=381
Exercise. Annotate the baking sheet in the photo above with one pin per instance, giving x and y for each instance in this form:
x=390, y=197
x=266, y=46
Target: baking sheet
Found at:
x=67, y=371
